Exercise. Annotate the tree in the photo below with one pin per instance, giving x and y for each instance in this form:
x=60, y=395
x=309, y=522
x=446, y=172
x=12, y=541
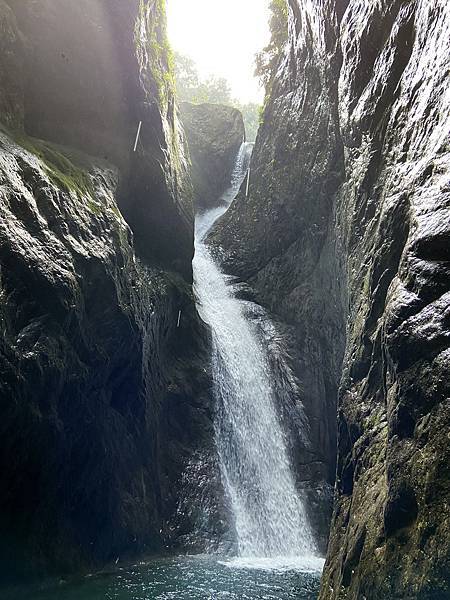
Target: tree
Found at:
x=214, y=90
x=266, y=61
x=190, y=88
x=251, y=113
x=186, y=77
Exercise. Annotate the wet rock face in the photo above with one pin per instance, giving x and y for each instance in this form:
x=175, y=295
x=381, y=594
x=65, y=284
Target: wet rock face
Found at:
x=93, y=71
x=394, y=215
x=92, y=367
x=103, y=360
x=280, y=240
x=215, y=134
x=347, y=227
x=11, y=68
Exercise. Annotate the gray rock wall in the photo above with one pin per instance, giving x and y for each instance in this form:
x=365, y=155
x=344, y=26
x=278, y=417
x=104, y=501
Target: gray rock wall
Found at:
x=345, y=239
x=390, y=530
x=92, y=71
x=215, y=134
x=12, y=48
x=281, y=240
x=104, y=400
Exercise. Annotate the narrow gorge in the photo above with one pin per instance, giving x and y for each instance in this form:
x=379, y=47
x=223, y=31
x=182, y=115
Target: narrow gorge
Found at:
x=224, y=365
x=348, y=216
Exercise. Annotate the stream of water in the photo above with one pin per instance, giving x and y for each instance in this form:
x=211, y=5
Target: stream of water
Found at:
x=276, y=556
x=271, y=526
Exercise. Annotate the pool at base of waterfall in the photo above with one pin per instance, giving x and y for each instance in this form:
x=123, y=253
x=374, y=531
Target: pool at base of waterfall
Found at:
x=188, y=578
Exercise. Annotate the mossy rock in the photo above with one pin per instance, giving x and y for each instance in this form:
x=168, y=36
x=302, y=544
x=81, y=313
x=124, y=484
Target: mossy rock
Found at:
x=60, y=168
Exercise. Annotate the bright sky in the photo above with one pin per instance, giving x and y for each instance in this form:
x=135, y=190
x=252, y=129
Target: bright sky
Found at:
x=222, y=37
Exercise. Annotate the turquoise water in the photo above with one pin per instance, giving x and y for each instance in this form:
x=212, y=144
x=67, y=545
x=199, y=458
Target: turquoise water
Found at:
x=186, y=578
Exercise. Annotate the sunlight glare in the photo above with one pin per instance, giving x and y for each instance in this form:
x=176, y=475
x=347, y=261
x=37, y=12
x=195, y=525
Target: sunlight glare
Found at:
x=222, y=37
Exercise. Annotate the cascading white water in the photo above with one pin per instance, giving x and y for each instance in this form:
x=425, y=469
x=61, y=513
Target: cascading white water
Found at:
x=269, y=515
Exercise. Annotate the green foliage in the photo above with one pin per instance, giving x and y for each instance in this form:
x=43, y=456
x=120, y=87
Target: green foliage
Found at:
x=186, y=77
x=250, y=112
x=190, y=88
x=266, y=61
x=214, y=90
x=154, y=50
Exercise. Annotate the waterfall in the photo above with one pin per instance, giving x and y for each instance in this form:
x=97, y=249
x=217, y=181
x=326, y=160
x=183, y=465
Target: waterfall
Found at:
x=269, y=515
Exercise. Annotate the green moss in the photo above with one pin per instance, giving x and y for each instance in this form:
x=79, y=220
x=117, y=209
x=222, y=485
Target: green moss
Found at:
x=59, y=168
x=154, y=49
x=94, y=207
x=117, y=212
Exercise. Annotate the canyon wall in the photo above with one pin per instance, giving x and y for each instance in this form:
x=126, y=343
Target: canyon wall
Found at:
x=393, y=218
x=280, y=240
x=103, y=361
x=215, y=134
x=92, y=72
x=345, y=238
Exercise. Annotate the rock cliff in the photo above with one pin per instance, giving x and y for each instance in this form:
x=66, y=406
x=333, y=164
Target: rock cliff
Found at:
x=345, y=238
x=393, y=219
x=103, y=361
x=281, y=241
x=215, y=134
x=93, y=72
